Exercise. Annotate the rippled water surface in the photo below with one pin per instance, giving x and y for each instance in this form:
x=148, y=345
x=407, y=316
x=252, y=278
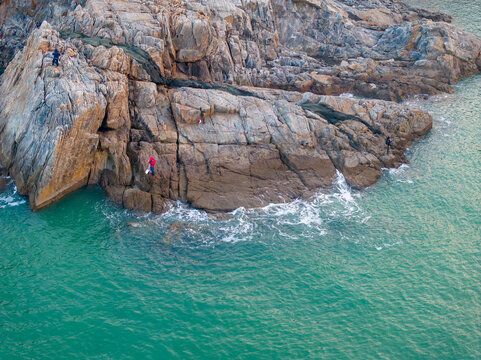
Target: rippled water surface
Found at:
x=392, y=272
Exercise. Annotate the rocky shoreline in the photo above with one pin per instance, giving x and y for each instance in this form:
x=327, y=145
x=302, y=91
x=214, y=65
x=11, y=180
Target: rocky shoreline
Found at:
x=266, y=77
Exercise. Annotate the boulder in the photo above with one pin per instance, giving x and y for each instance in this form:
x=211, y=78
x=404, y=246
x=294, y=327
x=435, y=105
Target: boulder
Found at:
x=49, y=120
x=134, y=199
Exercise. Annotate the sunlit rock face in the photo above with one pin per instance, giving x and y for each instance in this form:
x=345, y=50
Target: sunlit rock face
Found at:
x=237, y=101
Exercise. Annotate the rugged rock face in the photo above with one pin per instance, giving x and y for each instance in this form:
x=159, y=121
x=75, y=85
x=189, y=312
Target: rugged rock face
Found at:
x=377, y=48
x=18, y=18
x=136, y=78
x=49, y=121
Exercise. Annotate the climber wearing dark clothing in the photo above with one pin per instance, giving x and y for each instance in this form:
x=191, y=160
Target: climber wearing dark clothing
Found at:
x=388, y=144
x=56, y=55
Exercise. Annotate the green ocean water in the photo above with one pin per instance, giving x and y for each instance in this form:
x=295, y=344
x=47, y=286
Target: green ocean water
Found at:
x=392, y=272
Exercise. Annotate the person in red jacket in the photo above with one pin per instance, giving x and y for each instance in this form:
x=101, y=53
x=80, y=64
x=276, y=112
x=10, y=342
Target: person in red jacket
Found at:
x=151, y=165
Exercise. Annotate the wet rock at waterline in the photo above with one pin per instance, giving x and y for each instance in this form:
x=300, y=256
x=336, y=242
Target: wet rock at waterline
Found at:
x=168, y=87
x=4, y=181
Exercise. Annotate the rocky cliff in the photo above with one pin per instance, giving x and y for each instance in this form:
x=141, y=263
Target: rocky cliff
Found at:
x=237, y=100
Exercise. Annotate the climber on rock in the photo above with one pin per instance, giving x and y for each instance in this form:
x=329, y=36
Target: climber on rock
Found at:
x=388, y=144
x=56, y=55
x=151, y=166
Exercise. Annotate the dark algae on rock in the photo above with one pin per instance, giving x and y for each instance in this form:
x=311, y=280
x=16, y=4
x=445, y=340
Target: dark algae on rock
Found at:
x=151, y=68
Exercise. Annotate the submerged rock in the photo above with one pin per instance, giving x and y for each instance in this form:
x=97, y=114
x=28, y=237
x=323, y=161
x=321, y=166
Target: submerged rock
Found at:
x=234, y=101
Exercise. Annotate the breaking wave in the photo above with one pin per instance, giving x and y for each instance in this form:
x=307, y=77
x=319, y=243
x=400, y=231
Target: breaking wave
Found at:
x=9, y=197
x=300, y=219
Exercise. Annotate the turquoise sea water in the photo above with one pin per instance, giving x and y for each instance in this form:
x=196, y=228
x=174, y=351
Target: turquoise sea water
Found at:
x=393, y=272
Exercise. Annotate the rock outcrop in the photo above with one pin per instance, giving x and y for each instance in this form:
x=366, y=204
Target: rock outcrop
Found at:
x=378, y=48
x=237, y=102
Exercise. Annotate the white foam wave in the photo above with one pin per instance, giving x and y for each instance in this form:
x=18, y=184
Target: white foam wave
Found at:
x=10, y=196
x=397, y=171
x=421, y=101
x=299, y=219
x=240, y=230
x=399, y=174
x=386, y=245
x=6, y=199
x=184, y=213
x=443, y=120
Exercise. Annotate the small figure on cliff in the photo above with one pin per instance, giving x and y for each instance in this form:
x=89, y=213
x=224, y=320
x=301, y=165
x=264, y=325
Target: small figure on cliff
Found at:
x=201, y=116
x=56, y=55
x=151, y=166
x=388, y=144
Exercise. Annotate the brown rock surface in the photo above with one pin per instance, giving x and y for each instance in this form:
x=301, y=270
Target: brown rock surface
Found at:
x=4, y=181
x=130, y=85
x=49, y=120
x=134, y=199
x=375, y=48
x=380, y=49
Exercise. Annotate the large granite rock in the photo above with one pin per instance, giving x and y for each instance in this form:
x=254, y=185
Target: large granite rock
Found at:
x=18, y=18
x=380, y=49
x=161, y=78
x=49, y=119
x=52, y=119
